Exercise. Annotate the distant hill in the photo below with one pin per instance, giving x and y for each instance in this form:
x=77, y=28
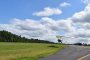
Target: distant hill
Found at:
x=6, y=36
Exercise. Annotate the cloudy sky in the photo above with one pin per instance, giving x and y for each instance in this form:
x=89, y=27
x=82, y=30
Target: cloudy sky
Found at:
x=44, y=19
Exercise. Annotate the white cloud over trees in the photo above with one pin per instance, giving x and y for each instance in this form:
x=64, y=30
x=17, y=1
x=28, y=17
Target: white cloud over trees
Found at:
x=47, y=28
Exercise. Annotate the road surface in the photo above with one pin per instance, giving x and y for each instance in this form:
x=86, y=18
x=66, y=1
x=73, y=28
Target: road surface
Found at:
x=71, y=52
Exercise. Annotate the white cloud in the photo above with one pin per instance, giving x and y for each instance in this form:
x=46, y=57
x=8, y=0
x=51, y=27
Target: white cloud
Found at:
x=81, y=35
x=46, y=28
x=83, y=16
x=48, y=12
x=81, y=21
x=57, y=25
x=86, y=1
x=65, y=4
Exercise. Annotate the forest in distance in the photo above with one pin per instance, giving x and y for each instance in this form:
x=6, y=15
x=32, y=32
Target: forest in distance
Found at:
x=6, y=36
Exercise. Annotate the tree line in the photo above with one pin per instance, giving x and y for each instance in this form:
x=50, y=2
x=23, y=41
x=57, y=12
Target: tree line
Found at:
x=6, y=36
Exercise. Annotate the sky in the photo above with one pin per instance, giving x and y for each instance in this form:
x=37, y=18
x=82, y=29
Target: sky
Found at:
x=44, y=19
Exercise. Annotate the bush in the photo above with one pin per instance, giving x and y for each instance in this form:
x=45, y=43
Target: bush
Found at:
x=53, y=46
x=78, y=44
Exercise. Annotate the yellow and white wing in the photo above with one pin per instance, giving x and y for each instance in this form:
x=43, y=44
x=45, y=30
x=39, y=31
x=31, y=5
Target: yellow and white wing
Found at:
x=59, y=36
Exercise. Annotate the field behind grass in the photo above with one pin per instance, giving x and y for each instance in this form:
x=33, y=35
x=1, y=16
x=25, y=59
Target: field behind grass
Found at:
x=27, y=51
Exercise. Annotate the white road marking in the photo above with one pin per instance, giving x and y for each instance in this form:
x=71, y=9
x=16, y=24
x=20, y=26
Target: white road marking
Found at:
x=83, y=57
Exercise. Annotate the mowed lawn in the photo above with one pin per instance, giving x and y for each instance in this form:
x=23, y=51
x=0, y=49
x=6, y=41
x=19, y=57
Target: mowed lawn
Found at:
x=27, y=51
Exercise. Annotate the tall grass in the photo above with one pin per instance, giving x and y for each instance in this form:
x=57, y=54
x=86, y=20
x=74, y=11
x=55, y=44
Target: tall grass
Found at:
x=27, y=51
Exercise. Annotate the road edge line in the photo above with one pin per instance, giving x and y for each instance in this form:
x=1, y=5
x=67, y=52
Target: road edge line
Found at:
x=83, y=57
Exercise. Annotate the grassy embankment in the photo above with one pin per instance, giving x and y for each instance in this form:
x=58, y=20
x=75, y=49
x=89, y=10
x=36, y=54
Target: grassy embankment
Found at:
x=27, y=51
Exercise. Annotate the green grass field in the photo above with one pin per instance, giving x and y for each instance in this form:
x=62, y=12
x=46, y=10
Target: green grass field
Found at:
x=27, y=51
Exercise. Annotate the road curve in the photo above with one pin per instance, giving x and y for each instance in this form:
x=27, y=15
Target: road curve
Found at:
x=71, y=52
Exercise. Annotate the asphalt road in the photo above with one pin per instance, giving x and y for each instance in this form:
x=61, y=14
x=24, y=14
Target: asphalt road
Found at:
x=71, y=53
